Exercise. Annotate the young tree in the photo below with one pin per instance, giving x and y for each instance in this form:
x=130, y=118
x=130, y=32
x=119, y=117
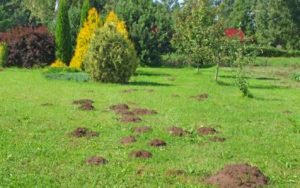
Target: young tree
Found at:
x=84, y=37
x=63, y=49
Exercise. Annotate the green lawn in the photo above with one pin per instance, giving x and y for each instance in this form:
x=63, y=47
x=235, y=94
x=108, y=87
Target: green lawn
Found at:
x=37, y=150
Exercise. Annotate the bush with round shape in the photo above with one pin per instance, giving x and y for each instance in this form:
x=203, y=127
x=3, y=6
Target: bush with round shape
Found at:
x=111, y=57
x=29, y=46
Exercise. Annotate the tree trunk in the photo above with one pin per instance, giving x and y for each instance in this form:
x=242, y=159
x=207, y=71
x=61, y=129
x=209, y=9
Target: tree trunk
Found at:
x=217, y=72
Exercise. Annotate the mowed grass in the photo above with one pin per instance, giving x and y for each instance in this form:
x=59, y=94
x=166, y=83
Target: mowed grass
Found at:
x=37, y=150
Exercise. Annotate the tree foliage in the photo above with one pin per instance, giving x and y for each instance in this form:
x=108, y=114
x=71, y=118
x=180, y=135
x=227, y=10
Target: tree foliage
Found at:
x=62, y=34
x=84, y=37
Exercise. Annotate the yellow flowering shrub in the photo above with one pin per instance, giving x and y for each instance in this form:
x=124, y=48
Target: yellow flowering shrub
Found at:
x=58, y=64
x=84, y=37
x=112, y=19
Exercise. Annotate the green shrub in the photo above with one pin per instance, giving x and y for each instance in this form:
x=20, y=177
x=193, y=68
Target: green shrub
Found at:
x=296, y=76
x=174, y=60
x=3, y=54
x=110, y=57
x=84, y=11
x=273, y=52
x=63, y=49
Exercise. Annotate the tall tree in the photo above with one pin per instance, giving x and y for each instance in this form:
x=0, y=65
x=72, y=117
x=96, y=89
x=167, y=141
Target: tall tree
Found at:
x=241, y=15
x=12, y=14
x=150, y=28
x=84, y=11
x=276, y=26
x=62, y=33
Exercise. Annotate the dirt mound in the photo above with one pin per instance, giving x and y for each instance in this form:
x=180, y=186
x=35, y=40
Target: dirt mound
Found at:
x=85, y=104
x=200, y=97
x=206, y=131
x=84, y=132
x=86, y=107
x=157, y=143
x=174, y=172
x=141, y=130
x=141, y=154
x=238, y=175
x=130, y=119
x=217, y=139
x=143, y=111
x=129, y=90
x=176, y=131
x=83, y=101
x=128, y=140
x=96, y=160
x=120, y=108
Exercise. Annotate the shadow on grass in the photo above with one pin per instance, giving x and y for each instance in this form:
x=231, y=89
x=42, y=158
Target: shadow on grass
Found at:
x=142, y=73
x=222, y=83
x=265, y=99
x=247, y=77
x=143, y=83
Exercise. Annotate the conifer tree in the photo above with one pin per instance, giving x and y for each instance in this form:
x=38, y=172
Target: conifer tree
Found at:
x=84, y=12
x=63, y=49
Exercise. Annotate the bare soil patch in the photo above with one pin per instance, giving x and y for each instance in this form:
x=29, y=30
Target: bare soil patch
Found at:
x=120, y=108
x=47, y=104
x=175, y=172
x=83, y=101
x=85, y=104
x=96, y=160
x=217, y=139
x=206, y=131
x=200, y=97
x=84, y=132
x=176, y=131
x=141, y=154
x=141, y=130
x=175, y=95
x=129, y=90
x=157, y=143
x=128, y=140
x=238, y=175
x=130, y=119
x=143, y=111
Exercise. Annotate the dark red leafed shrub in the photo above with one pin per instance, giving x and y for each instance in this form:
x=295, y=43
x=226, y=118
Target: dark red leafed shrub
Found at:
x=29, y=46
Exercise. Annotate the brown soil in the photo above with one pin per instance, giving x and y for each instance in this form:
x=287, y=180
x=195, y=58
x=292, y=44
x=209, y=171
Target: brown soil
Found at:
x=176, y=131
x=238, y=175
x=150, y=90
x=83, y=101
x=174, y=172
x=96, y=160
x=200, y=97
x=120, y=108
x=157, y=143
x=143, y=111
x=47, y=104
x=206, y=131
x=128, y=140
x=87, y=107
x=217, y=139
x=175, y=95
x=130, y=119
x=141, y=130
x=141, y=154
x=84, y=132
x=129, y=90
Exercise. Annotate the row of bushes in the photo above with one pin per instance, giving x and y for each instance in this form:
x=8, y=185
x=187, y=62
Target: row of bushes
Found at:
x=273, y=52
